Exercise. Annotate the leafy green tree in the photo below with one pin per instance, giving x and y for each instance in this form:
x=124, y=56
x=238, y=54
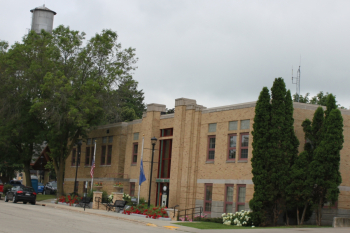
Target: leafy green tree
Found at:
x=275, y=147
x=324, y=168
x=22, y=69
x=261, y=204
x=80, y=92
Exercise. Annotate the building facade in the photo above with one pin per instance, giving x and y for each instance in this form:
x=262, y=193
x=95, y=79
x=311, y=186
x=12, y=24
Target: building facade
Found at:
x=202, y=155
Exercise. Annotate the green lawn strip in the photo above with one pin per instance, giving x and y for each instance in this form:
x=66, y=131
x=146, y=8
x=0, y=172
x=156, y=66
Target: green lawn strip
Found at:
x=212, y=225
x=44, y=197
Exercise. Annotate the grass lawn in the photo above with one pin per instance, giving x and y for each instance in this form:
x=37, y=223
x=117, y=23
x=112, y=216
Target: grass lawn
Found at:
x=213, y=225
x=44, y=197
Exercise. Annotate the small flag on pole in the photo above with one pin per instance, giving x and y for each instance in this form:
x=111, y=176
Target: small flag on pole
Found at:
x=142, y=174
x=92, y=168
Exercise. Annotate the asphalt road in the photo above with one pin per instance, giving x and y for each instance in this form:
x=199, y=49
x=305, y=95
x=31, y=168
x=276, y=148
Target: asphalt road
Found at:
x=37, y=219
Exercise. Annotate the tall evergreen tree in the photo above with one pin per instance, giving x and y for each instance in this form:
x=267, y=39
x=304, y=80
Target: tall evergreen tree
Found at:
x=260, y=203
x=275, y=147
x=324, y=169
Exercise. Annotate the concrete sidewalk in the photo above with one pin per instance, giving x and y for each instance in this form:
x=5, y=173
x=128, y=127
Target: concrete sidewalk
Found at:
x=172, y=226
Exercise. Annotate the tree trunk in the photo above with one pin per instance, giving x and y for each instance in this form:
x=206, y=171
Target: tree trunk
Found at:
x=298, y=221
x=27, y=174
x=319, y=212
x=287, y=218
x=60, y=177
x=303, y=216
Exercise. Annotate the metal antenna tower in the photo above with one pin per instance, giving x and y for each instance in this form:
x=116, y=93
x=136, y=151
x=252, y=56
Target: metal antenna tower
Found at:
x=297, y=82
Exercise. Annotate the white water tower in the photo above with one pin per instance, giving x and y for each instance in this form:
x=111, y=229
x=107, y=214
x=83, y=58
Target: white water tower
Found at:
x=42, y=19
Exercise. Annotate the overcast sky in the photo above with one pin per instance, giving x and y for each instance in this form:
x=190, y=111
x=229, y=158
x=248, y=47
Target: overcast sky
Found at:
x=218, y=52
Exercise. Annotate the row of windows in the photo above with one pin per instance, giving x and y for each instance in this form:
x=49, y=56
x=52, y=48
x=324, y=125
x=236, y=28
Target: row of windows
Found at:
x=232, y=125
x=106, y=156
x=105, y=140
x=231, y=147
x=228, y=201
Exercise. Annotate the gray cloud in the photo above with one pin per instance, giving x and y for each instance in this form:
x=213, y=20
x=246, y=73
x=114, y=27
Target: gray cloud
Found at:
x=217, y=52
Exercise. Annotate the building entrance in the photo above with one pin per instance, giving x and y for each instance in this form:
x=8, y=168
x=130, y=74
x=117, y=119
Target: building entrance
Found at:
x=164, y=169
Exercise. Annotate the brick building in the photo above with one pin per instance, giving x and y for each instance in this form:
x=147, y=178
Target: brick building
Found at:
x=202, y=155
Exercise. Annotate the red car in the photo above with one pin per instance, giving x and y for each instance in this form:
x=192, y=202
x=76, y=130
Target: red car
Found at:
x=1, y=188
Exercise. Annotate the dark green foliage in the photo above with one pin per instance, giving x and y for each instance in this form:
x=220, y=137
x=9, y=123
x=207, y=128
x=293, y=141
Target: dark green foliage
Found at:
x=331, y=104
x=7, y=187
x=275, y=147
x=319, y=99
x=260, y=204
x=324, y=169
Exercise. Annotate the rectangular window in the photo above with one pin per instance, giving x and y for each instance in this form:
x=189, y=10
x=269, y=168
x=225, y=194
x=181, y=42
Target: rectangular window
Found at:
x=88, y=142
x=134, y=153
x=109, y=155
x=166, y=132
x=136, y=136
x=212, y=128
x=208, y=193
x=104, y=140
x=92, y=154
x=211, y=147
x=232, y=125
x=232, y=141
x=241, y=189
x=244, y=146
x=93, y=141
x=103, y=155
x=87, y=156
x=132, y=189
x=228, y=198
x=110, y=139
x=78, y=157
x=245, y=124
x=74, y=152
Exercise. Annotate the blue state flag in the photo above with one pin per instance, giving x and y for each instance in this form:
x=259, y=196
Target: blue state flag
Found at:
x=142, y=174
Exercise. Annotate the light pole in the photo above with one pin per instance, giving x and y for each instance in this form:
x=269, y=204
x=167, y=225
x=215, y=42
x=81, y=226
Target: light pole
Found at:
x=76, y=167
x=154, y=141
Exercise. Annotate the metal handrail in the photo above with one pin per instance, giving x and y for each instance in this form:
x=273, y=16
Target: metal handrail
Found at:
x=193, y=212
x=174, y=209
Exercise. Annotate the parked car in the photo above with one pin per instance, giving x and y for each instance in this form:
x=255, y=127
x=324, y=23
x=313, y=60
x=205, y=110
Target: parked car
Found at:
x=1, y=186
x=15, y=183
x=21, y=193
x=50, y=188
x=40, y=188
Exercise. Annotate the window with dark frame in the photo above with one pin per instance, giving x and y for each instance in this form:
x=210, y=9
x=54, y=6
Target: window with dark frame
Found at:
x=74, y=152
x=232, y=143
x=79, y=158
x=241, y=191
x=87, y=156
x=166, y=132
x=211, y=148
x=135, y=148
x=132, y=189
x=208, y=193
x=228, y=205
x=109, y=155
x=243, y=155
x=164, y=164
x=92, y=155
x=103, y=155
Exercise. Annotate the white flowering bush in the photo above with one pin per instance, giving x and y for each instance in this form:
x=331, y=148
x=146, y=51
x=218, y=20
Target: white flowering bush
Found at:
x=242, y=218
x=126, y=197
x=110, y=198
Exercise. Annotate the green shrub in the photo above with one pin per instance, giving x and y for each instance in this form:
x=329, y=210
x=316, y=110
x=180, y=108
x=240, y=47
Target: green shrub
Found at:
x=104, y=197
x=91, y=193
x=7, y=187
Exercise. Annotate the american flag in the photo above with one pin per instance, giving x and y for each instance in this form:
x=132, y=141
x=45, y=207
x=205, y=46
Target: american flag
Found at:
x=92, y=168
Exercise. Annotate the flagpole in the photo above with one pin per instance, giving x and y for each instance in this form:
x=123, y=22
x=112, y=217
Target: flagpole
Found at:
x=138, y=195
x=92, y=178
